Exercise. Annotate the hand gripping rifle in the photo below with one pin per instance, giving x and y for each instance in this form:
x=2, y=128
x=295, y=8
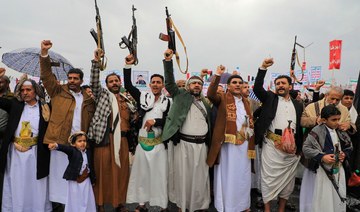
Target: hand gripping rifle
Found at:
x=98, y=37
x=295, y=56
x=170, y=38
x=130, y=42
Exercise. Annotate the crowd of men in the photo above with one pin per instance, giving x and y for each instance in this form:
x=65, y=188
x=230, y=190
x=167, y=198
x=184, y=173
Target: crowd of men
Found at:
x=187, y=147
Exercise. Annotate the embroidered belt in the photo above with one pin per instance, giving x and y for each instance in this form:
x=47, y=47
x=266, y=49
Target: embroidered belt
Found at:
x=198, y=139
x=237, y=139
x=150, y=141
x=26, y=142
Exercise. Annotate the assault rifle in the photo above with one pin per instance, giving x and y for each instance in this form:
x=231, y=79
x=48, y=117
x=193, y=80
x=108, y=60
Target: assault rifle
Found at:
x=170, y=38
x=98, y=37
x=130, y=42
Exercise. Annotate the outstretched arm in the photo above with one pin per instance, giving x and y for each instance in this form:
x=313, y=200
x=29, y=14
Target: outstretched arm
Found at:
x=170, y=84
x=134, y=92
x=259, y=90
x=212, y=90
x=95, y=84
x=48, y=78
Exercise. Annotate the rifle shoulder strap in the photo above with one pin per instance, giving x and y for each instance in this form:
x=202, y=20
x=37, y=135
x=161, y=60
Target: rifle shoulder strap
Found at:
x=317, y=109
x=177, y=54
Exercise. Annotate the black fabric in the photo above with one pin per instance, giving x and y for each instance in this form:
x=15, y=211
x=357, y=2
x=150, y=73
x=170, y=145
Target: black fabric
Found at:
x=15, y=109
x=267, y=113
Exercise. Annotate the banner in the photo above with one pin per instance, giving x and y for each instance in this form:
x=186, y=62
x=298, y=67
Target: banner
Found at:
x=335, y=54
x=315, y=73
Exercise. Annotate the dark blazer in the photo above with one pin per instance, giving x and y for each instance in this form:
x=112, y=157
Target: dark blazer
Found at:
x=270, y=102
x=15, y=109
x=75, y=162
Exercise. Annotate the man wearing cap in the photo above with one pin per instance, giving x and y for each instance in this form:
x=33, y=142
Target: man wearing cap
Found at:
x=72, y=110
x=188, y=127
x=24, y=159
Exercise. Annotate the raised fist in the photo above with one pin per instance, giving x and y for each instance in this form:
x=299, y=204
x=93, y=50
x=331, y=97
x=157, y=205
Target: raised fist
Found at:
x=168, y=54
x=267, y=63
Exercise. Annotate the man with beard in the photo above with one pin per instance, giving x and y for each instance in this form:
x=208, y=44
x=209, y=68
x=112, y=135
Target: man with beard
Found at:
x=188, y=127
x=24, y=159
x=108, y=132
x=280, y=156
x=311, y=116
x=230, y=145
x=72, y=110
x=148, y=179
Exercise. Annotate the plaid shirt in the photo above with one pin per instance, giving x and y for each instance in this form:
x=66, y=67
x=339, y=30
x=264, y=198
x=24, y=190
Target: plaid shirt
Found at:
x=103, y=105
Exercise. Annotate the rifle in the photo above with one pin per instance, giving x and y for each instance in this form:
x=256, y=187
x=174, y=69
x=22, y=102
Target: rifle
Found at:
x=98, y=37
x=170, y=38
x=131, y=41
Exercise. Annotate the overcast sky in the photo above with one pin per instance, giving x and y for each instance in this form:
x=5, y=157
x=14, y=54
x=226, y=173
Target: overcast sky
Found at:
x=235, y=33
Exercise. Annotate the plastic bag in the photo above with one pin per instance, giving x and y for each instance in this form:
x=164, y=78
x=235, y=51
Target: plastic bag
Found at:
x=288, y=140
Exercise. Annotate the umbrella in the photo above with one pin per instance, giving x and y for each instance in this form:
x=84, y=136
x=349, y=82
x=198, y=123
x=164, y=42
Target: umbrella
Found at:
x=27, y=61
x=224, y=77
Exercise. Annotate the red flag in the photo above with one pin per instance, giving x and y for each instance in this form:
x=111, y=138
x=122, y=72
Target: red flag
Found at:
x=335, y=54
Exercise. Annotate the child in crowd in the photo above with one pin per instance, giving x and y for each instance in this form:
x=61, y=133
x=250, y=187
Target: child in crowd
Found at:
x=79, y=173
x=328, y=147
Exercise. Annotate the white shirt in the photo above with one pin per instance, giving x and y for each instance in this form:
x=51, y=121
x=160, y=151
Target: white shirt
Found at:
x=85, y=162
x=31, y=113
x=195, y=122
x=285, y=111
x=76, y=123
x=240, y=112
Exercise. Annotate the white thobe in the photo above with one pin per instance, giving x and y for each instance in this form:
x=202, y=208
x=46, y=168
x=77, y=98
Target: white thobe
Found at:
x=191, y=173
x=149, y=173
x=22, y=191
x=232, y=177
x=80, y=196
x=278, y=168
x=58, y=187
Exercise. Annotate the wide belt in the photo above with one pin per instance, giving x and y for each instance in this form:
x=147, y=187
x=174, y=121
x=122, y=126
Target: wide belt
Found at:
x=275, y=138
x=237, y=139
x=150, y=141
x=198, y=139
x=26, y=142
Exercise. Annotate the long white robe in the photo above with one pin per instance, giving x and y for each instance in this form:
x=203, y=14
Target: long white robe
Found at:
x=278, y=171
x=232, y=179
x=191, y=173
x=80, y=196
x=22, y=191
x=149, y=173
x=148, y=179
x=58, y=187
